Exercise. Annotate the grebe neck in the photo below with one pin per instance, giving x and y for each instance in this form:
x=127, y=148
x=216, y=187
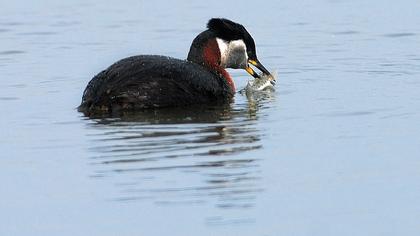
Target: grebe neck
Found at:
x=205, y=51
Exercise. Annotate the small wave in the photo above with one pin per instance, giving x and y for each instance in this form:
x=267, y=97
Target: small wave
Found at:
x=399, y=35
x=11, y=52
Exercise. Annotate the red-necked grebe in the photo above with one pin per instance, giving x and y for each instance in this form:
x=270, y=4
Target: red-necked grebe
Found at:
x=150, y=81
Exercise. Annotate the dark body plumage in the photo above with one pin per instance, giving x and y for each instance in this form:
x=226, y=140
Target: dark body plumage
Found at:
x=150, y=81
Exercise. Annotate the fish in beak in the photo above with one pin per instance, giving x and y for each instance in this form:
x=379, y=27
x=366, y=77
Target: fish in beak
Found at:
x=257, y=64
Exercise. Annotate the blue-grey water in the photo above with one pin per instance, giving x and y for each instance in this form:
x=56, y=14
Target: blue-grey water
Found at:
x=335, y=150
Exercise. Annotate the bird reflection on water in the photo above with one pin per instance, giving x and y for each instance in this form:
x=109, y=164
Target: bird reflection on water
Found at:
x=182, y=156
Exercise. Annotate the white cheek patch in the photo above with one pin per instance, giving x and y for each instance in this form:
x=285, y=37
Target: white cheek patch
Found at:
x=233, y=54
x=238, y=45
x=223, y=47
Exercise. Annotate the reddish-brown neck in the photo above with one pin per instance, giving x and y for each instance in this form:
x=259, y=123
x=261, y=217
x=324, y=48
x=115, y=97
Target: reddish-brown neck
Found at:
x=212, y=57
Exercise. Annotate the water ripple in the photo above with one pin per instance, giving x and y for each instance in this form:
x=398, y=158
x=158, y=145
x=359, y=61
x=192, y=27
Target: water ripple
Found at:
x=41, y=33
x=11, y=52
x=8, y=98
x=175, y=157
x=399, y=35
x=347, y=32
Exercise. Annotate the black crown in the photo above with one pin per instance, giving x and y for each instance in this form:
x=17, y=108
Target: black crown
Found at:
x=229, y=30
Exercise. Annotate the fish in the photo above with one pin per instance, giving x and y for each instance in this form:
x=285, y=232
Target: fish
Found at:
x=264, y=82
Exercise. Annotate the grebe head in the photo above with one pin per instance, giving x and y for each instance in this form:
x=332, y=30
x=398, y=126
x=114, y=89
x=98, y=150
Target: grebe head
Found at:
x=226, y=44
x=236, y=45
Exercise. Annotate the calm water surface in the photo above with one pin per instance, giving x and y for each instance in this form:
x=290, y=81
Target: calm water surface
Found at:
x=335, y=150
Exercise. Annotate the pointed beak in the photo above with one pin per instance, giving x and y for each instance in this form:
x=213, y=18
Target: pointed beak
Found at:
x=258, y=64
x=252, y=72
